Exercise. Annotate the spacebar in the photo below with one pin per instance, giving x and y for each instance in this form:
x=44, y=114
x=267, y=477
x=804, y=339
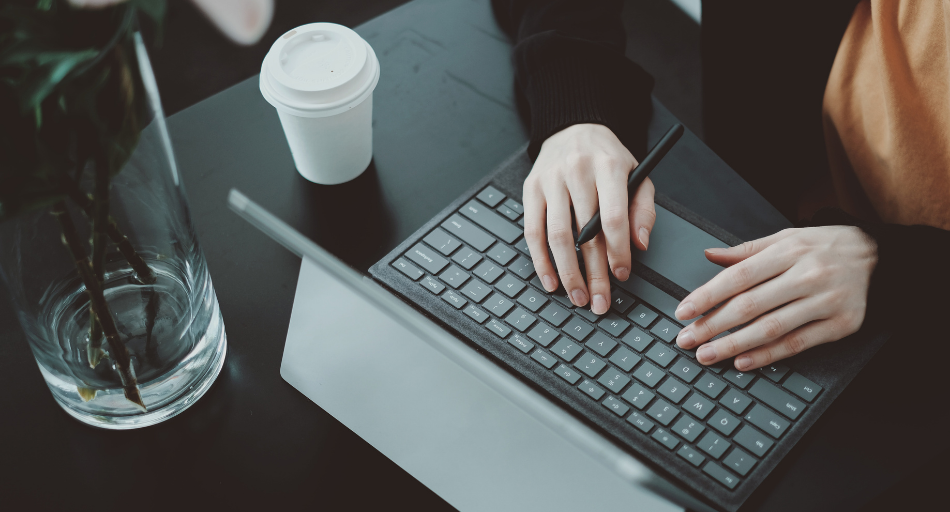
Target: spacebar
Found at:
x=653, y=296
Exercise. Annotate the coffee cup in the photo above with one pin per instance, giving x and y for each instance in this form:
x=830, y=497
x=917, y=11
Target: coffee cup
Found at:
x=320, y=77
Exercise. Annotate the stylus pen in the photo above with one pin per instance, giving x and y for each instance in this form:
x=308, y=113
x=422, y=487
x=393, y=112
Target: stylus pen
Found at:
x=636, y=178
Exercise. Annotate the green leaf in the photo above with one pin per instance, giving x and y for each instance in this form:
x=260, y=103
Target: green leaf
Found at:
x=37, y=83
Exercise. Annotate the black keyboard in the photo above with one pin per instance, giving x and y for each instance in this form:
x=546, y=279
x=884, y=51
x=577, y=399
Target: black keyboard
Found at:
x=722, y=422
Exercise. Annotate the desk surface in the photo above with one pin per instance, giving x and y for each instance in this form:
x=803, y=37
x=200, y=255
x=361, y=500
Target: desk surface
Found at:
x=444, y=116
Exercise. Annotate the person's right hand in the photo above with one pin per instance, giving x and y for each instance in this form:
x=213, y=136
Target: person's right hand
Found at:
x=585, y=166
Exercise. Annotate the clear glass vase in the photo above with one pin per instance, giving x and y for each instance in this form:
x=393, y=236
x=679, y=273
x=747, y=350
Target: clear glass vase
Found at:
x=170, y=342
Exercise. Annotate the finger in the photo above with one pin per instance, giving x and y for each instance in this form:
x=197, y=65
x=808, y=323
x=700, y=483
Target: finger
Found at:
x=741, y=309
x=794, y=342
x=561, y=241
x=733, y=280
x=614, y=220
x=598, y=274
x=764, y=330
x=643, y=213
x=729, y=256
x=534, y=234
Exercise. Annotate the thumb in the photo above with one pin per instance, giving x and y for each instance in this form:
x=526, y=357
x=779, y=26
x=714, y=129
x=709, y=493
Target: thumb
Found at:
x=728, y=256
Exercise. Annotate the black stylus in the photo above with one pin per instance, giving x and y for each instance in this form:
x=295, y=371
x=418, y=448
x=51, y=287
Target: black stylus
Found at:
x=639, y=174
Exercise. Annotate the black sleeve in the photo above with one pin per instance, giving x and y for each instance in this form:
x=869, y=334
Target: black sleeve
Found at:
x=912, y=276
x=570, y=67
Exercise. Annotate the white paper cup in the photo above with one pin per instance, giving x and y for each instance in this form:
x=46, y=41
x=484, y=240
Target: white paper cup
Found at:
x=320, y=77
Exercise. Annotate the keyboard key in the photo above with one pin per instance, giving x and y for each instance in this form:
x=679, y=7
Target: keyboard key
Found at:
x=648, y=374
x=601, y=344
x=432, y=285
x=739, y=461
x=613, y=380
x=765, y=419
x=521, y=222
x=501, y=254
x=638, y=420
x=710, y=386
x=753, y=440
x=476, y=314
x=522, y=267
x=688, y=428
x=662, y=412
x=454, y=276
x=690, y=455
x=661, y=354
x=468, y=232
x=532, y=299
x=673, y=389
x=592, y=390
x=613, y=324
x=719, y=367
x=665, y=330
x=698, y=406
x=493, y=222
x=544, y=359
x=588, y=315
x=498, y=304
x=555, y=314
x=522, y=245
x=520, y=319
x=427, y=259
x=567, y=349
x=665, y=438
x=685, y=369
x=475, y=290
x=735, y=401
x=467, y=258
x=508, y=212
x=442, y=241
x=740, y=379
x=577, y=329
x=625, y=359
x=714, y=445
x=456, y=300
x=567, y=373
x=589, y=365
x=620, y=302
x=510, y=285
x=498, y=328
x=724, y=422
x=616, y=406
x=638, y=395
x=514, y=205
x=411, y=271
x=642, y=316
x=488, y=271
x=774, y=372
x=721, y=475
x=521, y=343
x=777, y=399
x=542, y=333
x=490, y=196
x=802, y=387
x=637, y=339
x=562, y=298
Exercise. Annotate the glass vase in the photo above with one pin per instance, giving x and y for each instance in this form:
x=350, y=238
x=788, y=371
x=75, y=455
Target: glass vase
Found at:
x=167, y=342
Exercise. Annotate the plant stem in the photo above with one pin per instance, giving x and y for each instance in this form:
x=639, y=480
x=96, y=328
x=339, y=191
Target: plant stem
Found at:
x=98, y=303
x=99, y=241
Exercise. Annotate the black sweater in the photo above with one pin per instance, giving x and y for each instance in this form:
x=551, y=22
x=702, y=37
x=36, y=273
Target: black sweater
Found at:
x=765, y=67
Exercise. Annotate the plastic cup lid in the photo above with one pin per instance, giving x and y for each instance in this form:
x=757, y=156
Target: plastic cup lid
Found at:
x=318, y=70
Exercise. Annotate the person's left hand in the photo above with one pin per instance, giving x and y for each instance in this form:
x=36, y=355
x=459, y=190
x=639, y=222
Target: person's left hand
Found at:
x=802, y=287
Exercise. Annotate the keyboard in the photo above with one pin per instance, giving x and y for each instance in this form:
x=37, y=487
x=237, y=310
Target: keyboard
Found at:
x=718, y=423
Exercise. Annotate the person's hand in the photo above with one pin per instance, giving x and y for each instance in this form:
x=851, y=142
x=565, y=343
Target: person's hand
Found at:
x=585, y=166
x=802, y=287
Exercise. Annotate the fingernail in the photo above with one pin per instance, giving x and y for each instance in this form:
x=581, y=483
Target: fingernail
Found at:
x=744, y=362
x=685, y=310
x=599, y=307
x=644, y=237
x=706, y=353
x=580, y=298
x=686, y=339
x=548, y=283
x=715, y=250
x=622, y=273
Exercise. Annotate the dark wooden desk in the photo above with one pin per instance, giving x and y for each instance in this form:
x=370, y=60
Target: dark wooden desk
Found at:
x=444, y=116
